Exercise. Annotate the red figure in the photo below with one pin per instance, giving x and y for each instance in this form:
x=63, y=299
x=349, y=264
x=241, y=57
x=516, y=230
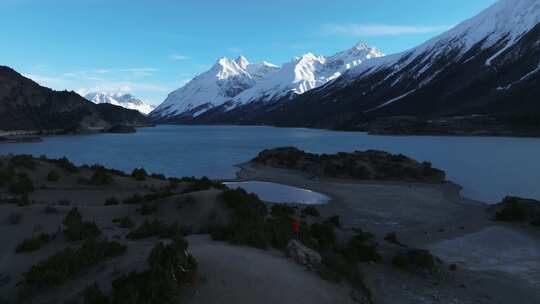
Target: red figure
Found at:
x=296, y=227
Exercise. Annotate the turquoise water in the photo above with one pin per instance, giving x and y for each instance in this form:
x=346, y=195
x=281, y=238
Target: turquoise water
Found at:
x=277, y=193
x=488, y=168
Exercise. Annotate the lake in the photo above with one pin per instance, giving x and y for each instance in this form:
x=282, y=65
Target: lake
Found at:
x=488, y=168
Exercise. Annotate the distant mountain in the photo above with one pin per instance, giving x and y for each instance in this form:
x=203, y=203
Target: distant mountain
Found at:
x=231, y=84
x=487, y=65
x=27, y=106
x=127, y=101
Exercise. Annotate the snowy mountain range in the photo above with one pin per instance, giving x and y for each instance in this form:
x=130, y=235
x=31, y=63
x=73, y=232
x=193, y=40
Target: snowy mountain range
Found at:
x=127, y=101
x=235, y=83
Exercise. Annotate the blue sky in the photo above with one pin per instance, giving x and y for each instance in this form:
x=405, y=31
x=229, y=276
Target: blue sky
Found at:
x=149, y=48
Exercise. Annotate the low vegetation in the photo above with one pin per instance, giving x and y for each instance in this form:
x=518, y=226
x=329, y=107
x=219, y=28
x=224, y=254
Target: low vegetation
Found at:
x=53, y=176
x=368, y=165
x=147, y=209
x=124, y=222
x=14, y=218
x=100, y=177
x=75, y=229
x=67, y=263
x=24, y=162
x=515, y=209
x=139, y=174
x=171, y=267
x=156, y=228
x=64, y=164
x=111, y=201
x=415, y=260
x=22, y=184
x=311, y=211
x=34, y=243
x=201, y=184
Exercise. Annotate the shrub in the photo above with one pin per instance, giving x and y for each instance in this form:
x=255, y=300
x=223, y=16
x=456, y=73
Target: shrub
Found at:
x=64, y=202
x=247, y=225
x=358, y=250
x=202, y=184
x=171, y=266
x=14, y=218
x=64, y=164
x=536, y=221
x=33, y=244
x=76, y=230
x=324, y=234
x=392, y=238
x=415, y=259
x=147, y=209
x=334, y=220
x=22, y=184
x=139, y=174
x=278, y=231
x=7, y=176
x=50, y=209
x=158, y=176
x=68, y=262
x=111, y=201
x=53, y=176
x=282, y=210
x=134, y=200
x=23, y=161
x=124, y=222
x=93, y=295
x=513, y=211
x=101, y=177
x=310, y=210
x=155, y=228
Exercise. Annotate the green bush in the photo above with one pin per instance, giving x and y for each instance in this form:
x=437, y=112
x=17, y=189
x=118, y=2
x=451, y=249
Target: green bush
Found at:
x=53, y=176
x=282, y=210
x=358, y=250
x=147, y=209
x=76, y=230
x=310, y=210
x=155, y=228
x=324, y=234
x=134, y=200
x=513, y=211
x=392, y=238
x=93, y=295
x=67, y=263
x=139, y=174
x=201, y=184
x=124, y=222
x=171, y=267
x=247, y=226
x=21, y=185
x=23, y=161
x=101, y=177
x=33, y=244
x=415, y=259
x=64, y=164
x=7, y=175
x=50, y=209
x=111, y=201
x=14, y=218
x=334, y=220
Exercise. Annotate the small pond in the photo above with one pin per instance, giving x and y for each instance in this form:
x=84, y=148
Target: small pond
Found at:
x=278, y=193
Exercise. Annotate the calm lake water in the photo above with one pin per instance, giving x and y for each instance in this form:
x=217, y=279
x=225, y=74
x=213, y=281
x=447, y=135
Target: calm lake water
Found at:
x=488, y=168
x=277, y=193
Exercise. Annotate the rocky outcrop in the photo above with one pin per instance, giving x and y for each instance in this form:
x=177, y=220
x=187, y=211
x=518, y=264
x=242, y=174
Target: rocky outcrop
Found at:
x=303, y=255
x=368, y=165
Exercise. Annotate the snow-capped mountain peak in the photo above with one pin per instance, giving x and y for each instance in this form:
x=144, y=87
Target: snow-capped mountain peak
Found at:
x=240, y=82
x=242, y=62
x=124, y=100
